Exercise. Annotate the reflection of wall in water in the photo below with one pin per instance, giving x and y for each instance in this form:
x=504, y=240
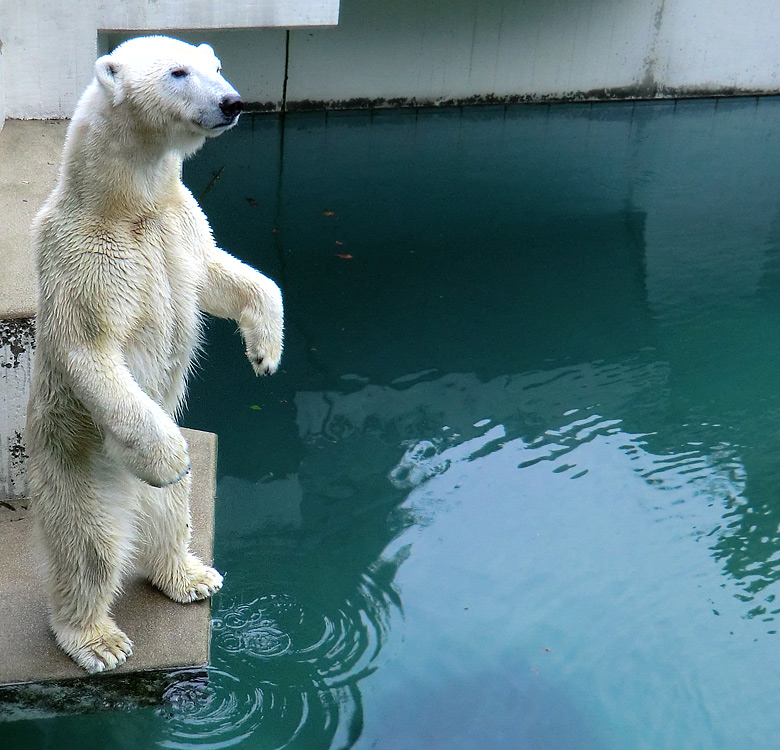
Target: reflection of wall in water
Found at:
x=706, y=181
x=490, y=243
x=472, y=238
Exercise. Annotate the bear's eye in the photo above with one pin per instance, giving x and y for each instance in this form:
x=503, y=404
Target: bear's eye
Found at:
x=179, y=72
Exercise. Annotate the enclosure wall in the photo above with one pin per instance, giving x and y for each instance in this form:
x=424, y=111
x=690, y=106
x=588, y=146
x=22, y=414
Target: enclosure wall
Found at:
x=396, y=52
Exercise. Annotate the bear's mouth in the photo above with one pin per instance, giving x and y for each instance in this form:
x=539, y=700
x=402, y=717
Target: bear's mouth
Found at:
x=217, y=127
x=228, y=123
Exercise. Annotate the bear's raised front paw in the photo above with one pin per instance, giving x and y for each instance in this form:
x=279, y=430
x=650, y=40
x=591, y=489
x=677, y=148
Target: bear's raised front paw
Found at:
x=261, y=362
x=193, y=580
x=96, y=648
x=264, y=343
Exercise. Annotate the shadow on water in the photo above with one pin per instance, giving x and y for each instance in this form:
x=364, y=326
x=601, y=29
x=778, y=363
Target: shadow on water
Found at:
x=516, y=482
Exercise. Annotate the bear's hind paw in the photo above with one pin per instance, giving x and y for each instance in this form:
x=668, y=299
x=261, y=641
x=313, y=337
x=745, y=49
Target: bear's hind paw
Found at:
x=97, y=648
x=194, y=580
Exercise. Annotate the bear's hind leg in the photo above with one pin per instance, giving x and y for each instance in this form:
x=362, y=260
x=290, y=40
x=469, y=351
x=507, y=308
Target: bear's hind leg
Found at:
x=86, y=543
x=163, y=545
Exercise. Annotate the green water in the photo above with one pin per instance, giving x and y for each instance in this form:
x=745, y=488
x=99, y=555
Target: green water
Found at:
x=517, y=485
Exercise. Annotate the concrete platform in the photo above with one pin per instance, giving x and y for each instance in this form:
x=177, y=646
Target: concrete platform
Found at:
x=166, y=635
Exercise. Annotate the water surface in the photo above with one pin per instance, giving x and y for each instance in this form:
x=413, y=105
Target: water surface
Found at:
x=517, y=484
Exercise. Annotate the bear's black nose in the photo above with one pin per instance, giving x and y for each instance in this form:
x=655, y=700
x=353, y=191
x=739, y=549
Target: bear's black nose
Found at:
x=231, y=105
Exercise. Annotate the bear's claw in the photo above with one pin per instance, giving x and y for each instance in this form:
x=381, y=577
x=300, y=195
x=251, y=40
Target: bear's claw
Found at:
x=97, y=648
x=261, y=363
x=193, y=581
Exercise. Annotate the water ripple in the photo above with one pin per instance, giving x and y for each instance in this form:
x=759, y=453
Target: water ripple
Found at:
x=328, y=649
x=304, y=664
x=211, y=711
x=252, y=629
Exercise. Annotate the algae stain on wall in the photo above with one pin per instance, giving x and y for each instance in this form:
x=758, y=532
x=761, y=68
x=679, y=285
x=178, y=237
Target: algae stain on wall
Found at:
x=16, y=349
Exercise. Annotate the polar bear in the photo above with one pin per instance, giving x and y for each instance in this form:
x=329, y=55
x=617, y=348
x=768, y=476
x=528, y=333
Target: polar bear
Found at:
x=126, y=262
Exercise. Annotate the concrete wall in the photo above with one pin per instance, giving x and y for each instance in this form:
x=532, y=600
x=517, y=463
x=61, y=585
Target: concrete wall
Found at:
x=29, y=159
x=2, y=78
x=396, y=52
x=537, y=49
x=50, y=46
x=401, y=52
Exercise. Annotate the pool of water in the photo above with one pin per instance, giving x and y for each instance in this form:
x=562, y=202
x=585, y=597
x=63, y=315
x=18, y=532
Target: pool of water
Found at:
x=517, y=484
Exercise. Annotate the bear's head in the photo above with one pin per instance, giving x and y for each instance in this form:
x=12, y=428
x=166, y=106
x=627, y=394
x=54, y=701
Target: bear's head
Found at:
x=169, y=88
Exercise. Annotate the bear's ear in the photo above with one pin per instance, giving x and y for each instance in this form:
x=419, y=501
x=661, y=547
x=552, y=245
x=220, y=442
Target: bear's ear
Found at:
x=106, y=71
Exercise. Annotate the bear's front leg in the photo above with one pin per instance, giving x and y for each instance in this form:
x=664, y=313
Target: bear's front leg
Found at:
x=140, y=434
x=234, y=290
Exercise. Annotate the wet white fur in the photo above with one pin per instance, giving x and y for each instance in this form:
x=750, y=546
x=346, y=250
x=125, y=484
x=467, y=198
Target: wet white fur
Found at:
x=126, y=263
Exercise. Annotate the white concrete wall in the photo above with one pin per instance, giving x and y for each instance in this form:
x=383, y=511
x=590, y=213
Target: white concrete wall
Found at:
x=434, y=52
x=437, y=52
x=386, y=52
x=2, y=78
x=396, y=52
x=719, y=45
x=50, y=46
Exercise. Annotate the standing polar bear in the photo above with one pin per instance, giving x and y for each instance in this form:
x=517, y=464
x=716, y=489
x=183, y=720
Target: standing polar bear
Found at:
x=126, y=263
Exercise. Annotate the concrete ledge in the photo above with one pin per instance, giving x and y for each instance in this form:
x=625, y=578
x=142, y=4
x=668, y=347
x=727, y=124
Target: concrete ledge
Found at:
x=166, y=635
x=110, y=693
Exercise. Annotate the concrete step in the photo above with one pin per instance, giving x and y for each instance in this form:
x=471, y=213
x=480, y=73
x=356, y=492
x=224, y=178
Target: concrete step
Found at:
x=166, y=635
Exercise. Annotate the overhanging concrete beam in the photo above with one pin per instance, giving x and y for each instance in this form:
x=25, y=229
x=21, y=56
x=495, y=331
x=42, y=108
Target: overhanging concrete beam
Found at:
x=207, y=14
x=36, y=33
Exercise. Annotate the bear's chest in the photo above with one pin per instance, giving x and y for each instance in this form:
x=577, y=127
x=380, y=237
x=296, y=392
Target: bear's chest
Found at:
x=168, y=323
